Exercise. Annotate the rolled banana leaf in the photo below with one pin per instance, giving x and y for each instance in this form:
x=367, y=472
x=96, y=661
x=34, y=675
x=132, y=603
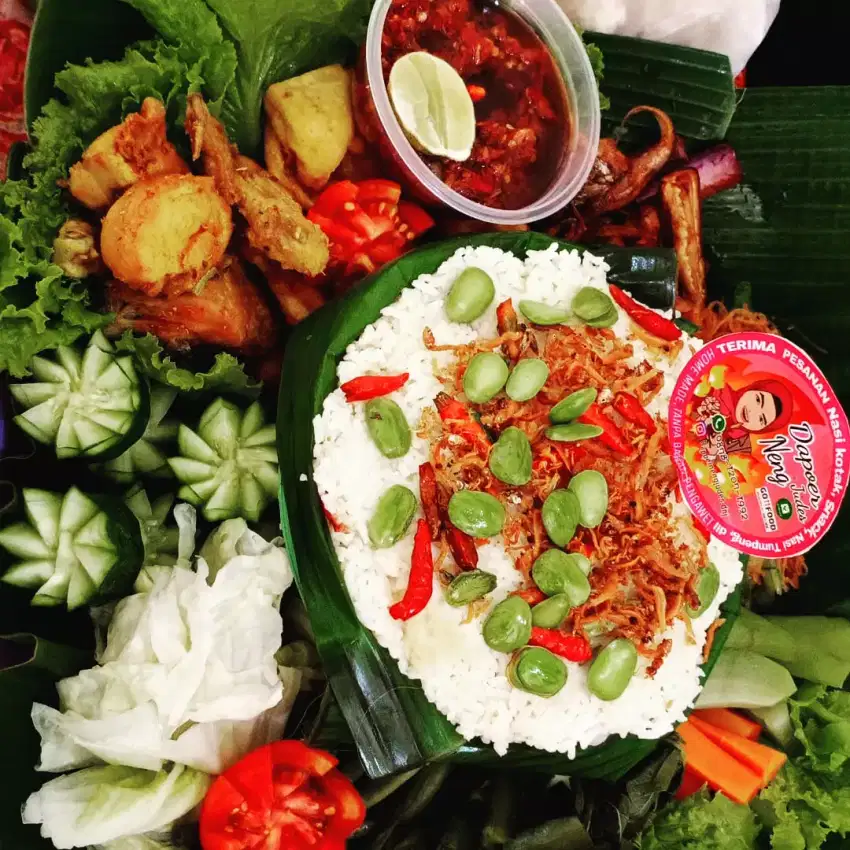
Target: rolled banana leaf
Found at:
x=394, y=726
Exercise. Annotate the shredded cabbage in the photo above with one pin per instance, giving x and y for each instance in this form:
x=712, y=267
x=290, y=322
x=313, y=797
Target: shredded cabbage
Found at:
x=186, y=676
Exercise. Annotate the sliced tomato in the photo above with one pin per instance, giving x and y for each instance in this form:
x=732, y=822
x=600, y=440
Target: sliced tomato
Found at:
x=335, y=196
x=284, y=796
x=378, y=190
x=367, y=223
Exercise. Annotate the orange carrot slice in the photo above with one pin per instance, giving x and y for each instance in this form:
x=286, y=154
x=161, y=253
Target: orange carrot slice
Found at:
x=764, y=761
x=721, y=771
x=731, y=721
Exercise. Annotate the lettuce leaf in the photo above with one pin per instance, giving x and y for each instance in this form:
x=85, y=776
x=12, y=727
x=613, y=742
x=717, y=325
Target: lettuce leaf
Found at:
x=821, y=720
x=702, y=822
x=226, y=375
x=277, y=39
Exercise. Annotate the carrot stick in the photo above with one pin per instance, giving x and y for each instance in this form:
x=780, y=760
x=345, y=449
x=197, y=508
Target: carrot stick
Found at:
x=691, y=783
x=716, y=767
x=731, y=721
x=764, y=761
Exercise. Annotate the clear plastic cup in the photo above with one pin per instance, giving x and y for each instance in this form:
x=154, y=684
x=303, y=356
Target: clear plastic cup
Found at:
x=550, y=23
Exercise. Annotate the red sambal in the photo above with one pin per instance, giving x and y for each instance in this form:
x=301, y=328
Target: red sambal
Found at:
x=520, y=104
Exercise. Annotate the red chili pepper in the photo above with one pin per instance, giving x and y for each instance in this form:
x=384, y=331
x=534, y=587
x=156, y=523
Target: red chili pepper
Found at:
x=611, y=435
x=428, y=495
x=373, y=386
x=420, y=584
x=367, y=223
x=572, y=647
x=532, y=595
x=741, y=80
x=334, y=523
x=461, y=421
x=476, y=93
x=632, y=411
x=648, y=319
x=462, y=546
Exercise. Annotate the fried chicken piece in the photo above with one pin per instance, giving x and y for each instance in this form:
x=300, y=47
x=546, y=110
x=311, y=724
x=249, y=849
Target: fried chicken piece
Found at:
x=123, y=155
x=313, y=121
x=276, y=223
x=75, y=249
x=277, y=167
x=228, y=311
x=166, y=233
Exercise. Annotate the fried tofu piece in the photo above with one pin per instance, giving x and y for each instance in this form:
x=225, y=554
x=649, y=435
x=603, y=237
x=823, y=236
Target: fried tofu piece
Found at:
x=313, y=120
x=277, y=167
x=123, y=155
x=229, y=311
x=276, y=222
x=166, y=233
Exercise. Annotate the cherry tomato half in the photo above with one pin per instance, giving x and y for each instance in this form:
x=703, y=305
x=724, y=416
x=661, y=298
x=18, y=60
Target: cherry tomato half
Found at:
x=284, y=796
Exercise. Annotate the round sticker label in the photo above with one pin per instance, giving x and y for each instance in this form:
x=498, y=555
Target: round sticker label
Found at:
x=760, y=443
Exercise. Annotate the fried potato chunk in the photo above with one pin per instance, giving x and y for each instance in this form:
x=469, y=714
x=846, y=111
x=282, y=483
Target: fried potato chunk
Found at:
x=229, y=311
x=135, y=149
x=75, y=249
x=165, y=233
x=276, y=222
x=313, y=120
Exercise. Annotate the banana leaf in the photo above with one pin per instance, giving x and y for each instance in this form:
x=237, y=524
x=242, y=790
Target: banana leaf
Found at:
x=785, y=233
x=694, y=87
x=29, y=669
x=394, y=726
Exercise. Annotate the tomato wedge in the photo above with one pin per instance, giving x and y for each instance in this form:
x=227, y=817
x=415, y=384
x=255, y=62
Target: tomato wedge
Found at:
x=284, y=796
x=367, y=223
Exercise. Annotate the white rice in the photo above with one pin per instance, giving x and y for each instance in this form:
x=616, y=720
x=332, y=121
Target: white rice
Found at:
x=459, y=673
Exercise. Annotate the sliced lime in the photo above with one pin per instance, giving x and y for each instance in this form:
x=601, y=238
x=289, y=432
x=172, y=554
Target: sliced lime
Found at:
x=433, y=106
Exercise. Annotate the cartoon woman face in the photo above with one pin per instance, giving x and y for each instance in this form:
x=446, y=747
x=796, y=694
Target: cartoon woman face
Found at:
x=757, y=410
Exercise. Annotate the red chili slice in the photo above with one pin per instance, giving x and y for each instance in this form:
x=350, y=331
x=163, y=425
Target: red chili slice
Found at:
x=368, y=387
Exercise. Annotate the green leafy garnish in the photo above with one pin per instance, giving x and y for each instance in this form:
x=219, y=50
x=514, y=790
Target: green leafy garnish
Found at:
x=226, y=375
x=597, y=62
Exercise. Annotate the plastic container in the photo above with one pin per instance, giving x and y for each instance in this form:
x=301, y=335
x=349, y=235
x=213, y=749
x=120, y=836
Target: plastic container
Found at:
x=550, y=23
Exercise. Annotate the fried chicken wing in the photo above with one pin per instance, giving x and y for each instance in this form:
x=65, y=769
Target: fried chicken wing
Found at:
x=166, y=233
x=313, y=121
x=229, y=311
x=276, y=223
x=133, y=150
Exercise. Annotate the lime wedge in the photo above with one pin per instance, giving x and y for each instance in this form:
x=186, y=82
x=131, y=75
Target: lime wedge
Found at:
x=433, y=106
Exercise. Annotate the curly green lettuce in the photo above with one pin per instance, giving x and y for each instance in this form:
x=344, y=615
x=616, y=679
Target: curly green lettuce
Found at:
x=702, y=822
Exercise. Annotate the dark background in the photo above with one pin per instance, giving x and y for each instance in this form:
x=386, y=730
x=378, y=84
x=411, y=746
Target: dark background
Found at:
x=808, y=45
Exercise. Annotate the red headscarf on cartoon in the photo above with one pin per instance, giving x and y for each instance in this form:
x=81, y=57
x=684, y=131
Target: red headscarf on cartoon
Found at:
x=765, y=405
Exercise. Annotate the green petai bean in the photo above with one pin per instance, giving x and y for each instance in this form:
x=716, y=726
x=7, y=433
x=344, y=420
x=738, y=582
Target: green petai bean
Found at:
x=484, y=377
x=590, y=303
x=612, y=670
x=591, y=490
x=537, y=671
x=708, y=584
x=551, y=612
x=607, y=320
x=508, y=626
x=467, y=587
x=556, y=572
x=582, y=562
x=527, y=379
x=392, y=517
x=561, y=512
x=388, y=427
x=573, y=406
x=470, y=295
x=477, y=514
x=511, y=458
x=539, y=313
x=573, y=432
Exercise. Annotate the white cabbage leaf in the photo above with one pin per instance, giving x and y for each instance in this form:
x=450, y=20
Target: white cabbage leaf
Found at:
x=187, y=672
x=103, y=804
